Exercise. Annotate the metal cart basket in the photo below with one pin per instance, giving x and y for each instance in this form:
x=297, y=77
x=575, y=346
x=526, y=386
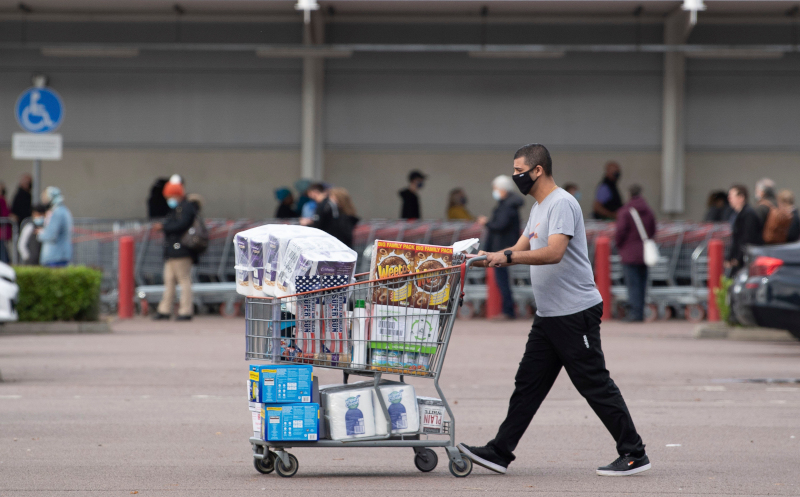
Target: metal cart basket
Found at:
x=396, y=325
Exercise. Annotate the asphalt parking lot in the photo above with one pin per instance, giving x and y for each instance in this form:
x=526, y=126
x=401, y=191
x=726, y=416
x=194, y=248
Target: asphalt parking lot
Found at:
x=160, y=409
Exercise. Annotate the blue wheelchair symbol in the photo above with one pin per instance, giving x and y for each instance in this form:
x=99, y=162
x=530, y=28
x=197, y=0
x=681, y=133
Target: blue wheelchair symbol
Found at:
x=39, y=110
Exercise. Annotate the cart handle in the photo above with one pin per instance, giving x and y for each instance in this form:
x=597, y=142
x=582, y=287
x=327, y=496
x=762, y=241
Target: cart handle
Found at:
x=471, y=259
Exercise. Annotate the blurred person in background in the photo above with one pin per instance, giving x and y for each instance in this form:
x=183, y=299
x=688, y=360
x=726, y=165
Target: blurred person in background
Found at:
x=765, y=201
x=5, y=225
x=503, y=231
x=410, y=208
x=573, y=190
x=607, y=199
x=457, y=206
x=157, y=207
x=28, y=246
x=719, y=211
x=335, y=213
x=178, y=259
x=286, y=199
x=747, y=229
x=56, y=235
x=22, y=203
x=303, y=199
x=631, y=250
x=775, y=221
x=786, y=202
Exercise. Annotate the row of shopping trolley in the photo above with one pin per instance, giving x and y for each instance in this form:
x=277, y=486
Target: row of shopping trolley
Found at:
x=676, y=285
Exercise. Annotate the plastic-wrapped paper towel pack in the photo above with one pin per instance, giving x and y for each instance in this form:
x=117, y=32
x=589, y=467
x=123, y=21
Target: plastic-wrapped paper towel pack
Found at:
x=275, y=250
x=312, y=256
x=401, y=402
x=349, y=411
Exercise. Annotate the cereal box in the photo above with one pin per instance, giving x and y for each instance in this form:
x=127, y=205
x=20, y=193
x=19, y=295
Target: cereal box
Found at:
x=432, y=290
x=390, y=259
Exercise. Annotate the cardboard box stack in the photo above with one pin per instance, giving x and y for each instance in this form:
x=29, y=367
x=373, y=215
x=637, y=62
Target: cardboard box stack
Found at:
x=284, y=402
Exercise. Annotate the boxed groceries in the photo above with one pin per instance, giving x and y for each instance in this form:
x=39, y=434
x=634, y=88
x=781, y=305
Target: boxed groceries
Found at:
x=431, y=415
x=431, y=290
x=281, y=383
x=403, y=338
x=391, y=259
x=290, y=422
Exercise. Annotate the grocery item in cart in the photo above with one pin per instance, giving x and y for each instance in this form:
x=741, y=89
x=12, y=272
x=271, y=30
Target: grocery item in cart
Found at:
x=292, y=422
x=241, y=248
x=432, y=289
x=401, y=402
x=392, y=259
x=309, y=329
x=349, y=410
x=401, y=330
x=280, y=383
x=431, y=414
x=334, y=307
x=279, y=238
x=312, y=256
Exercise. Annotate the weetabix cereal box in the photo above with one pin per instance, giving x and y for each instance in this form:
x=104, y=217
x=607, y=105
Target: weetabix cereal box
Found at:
x=431, y=290
x=389, y=260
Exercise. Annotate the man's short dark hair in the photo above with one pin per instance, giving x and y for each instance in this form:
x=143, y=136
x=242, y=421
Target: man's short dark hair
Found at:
x=536, y=155
x=740, y=190
x=635, y=190
x=317, y=187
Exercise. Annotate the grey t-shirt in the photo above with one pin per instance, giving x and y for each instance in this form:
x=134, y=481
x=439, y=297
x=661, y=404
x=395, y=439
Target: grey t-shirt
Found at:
x=567, y=287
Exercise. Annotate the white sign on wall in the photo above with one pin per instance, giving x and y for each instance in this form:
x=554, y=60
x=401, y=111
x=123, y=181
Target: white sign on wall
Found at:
x=36, y=146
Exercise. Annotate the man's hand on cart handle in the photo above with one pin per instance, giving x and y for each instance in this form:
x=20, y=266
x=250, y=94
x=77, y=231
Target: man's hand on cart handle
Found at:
x=493, y=259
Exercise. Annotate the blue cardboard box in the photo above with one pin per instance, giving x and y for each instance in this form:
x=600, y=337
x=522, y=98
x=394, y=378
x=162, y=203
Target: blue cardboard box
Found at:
x=280, y=383
x=290, y=422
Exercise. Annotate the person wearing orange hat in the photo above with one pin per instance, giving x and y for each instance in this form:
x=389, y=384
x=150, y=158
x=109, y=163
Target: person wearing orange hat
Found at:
x=178, y=259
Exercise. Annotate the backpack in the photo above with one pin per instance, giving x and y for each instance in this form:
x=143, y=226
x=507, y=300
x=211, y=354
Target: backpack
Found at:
x=776, y=225
x=196, y=237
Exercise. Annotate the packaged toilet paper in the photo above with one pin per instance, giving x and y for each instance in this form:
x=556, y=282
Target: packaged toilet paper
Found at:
x=312, y=256
x=431, y=415
x=401, y=402
x=349, y=410
x=279, y=238
x=241, y=248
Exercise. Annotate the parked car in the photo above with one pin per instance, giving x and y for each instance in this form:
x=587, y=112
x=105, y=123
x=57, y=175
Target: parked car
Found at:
x=767, y=292
x=9, y=292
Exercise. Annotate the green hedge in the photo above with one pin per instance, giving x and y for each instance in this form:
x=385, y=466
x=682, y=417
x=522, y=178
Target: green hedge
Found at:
x=58, y=294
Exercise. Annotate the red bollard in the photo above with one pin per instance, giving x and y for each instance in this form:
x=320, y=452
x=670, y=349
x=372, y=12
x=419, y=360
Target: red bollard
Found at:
x=494, y=301
x=125, y=280
x=715, y=249
x=602, y=272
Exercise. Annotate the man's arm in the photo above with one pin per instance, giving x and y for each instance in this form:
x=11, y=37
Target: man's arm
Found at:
x=522, y=244
x=551, y=254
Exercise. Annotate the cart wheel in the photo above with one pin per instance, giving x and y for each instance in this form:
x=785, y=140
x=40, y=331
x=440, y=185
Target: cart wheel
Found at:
x=694, y=313
x=230, y=309
x=426, y=460
x=283, y=470
x=267, y=465
x=669, y=312
x=650, y=313
x=463, y=470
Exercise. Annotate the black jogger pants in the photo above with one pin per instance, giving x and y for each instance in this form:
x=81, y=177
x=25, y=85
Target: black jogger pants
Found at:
x=573, y=342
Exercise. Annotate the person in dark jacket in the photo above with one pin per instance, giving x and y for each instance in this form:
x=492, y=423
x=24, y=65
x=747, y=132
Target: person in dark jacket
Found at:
x=503, y=232
x=157, y=207
x=329, y=217
x=747, y=229
x=286, y=199
x=718, y=209
x=607, y=199
x=178, y=259
x=630, y=247
x=22, y=205
x=410, y=207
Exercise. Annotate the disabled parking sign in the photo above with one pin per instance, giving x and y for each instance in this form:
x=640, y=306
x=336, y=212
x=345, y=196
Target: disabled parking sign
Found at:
x=39, y=110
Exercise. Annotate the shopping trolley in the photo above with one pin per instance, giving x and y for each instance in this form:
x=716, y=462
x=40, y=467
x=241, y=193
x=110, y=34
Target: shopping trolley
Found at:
x=328, y=328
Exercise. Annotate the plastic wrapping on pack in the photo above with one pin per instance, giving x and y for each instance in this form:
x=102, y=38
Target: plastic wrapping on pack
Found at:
x=401, y=402
x=313, y=256
x=275, y=249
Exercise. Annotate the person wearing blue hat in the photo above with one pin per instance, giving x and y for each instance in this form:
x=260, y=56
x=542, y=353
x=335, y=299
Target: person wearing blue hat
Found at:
x=286, y=199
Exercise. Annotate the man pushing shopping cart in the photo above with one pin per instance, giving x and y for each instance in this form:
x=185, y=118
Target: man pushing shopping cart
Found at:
x=566, y=328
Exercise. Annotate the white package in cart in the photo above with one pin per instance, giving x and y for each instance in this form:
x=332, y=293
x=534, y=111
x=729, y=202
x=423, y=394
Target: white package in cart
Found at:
x=349, y=411
x=401, y=402
x=279, y=238
x=248, y=257
x=312, y=256
x=405, y=328
x=431, y=414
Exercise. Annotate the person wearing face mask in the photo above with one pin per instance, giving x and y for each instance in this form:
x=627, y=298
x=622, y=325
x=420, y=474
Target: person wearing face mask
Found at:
x=410, y=207
x=457, y=206
x=178, y=259
x=607, y=200
x=502, y=230
x=28, y=246
x=56, y=235
x=566, y=328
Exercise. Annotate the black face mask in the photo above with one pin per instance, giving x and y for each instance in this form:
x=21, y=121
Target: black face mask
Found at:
x=524, y=181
